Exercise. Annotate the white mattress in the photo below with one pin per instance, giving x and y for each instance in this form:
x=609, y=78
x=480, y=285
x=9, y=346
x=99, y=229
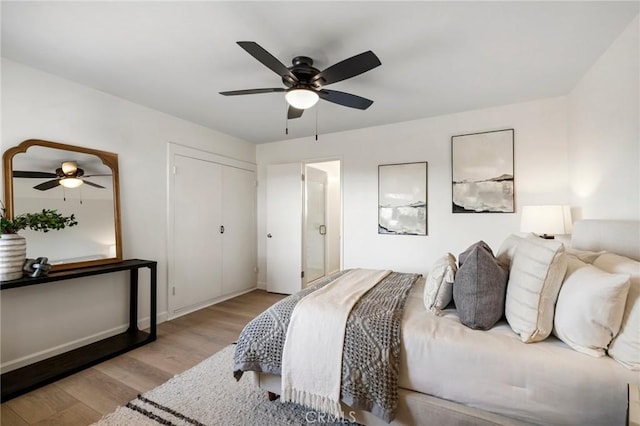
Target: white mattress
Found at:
x=545, y=382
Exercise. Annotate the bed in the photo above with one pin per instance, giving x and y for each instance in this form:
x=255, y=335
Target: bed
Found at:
x=452, y=374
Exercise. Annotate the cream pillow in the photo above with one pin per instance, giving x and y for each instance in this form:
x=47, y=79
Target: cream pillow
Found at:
x=438, y=290
x=625, y=347
x=535, y=277
x=586, y=256
x=508, y=247
x=589, y=308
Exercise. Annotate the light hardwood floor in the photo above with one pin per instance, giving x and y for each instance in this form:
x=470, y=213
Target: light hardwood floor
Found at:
x=85, y=397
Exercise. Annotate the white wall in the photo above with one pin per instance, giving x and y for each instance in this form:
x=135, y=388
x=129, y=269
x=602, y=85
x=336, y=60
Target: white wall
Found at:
x=541, y=176
x=604, y=133
x=42, y=106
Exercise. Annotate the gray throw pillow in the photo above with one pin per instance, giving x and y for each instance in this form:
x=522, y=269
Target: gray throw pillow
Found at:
x=479, y=287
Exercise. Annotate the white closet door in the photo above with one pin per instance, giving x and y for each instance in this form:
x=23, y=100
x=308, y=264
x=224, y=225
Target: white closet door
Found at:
x=239, y=238
x=197, y=217
x=284, y=228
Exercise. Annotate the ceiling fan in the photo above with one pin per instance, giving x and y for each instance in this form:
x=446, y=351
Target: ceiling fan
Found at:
x=305, y=84
x=68, y=175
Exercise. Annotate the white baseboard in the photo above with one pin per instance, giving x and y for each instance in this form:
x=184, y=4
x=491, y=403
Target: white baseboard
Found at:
x=143, y=323
x=262, y=285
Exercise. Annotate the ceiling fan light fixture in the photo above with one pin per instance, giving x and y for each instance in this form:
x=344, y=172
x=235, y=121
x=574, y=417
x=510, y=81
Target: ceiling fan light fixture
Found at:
x=301, y=98
x=70, y=182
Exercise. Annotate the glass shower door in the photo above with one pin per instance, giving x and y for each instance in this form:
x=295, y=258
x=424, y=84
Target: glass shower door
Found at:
x=315, y=224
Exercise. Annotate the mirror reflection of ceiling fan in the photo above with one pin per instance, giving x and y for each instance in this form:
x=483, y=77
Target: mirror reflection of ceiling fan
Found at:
x=68, y=175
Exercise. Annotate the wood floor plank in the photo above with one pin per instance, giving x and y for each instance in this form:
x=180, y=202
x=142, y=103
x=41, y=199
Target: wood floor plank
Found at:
x=8, y=417
x=135, y=373
x=97, y=390
x=166, y=357
x=78, y=414
x=41, y=403
x=200, y=348
x=86, y=396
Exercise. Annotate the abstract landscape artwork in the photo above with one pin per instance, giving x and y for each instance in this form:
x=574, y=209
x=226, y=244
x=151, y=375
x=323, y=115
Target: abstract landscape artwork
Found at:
x=482, y=172
x=402, y=199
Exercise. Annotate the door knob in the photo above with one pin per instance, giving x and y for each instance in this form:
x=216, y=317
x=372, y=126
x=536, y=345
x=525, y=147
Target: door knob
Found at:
x=269, y=235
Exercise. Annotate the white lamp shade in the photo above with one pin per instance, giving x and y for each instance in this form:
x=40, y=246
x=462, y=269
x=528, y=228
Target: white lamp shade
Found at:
x=70, y=182
x=301, y=98
x=550, y=220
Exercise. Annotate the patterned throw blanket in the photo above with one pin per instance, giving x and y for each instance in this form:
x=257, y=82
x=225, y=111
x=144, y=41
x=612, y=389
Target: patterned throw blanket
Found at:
x=371, y=357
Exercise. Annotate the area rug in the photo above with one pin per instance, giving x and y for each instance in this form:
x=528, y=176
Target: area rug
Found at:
x=208, y=395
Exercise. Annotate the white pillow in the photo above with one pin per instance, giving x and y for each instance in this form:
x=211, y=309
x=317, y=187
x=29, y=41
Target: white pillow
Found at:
x=536, y=274
x=586, y=256
x=508, y=248
x=438, y=290
x=590, y=306
x=625, y=347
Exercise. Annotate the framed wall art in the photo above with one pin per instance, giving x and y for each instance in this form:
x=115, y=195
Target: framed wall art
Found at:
x=402, y=199
x=482, y=172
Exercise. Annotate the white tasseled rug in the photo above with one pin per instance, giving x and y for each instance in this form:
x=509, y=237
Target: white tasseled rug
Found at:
x=207, y=394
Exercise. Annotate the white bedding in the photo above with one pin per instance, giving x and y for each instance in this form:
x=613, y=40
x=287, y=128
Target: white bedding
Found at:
x=545, y=382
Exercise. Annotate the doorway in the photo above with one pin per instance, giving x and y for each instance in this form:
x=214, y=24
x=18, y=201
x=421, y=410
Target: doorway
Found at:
x=304, y=223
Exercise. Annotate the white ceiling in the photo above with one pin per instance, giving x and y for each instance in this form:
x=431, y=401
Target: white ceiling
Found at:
x=437, y=57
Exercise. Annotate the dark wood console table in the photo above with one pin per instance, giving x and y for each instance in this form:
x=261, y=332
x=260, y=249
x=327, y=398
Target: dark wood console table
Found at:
x=30, y=377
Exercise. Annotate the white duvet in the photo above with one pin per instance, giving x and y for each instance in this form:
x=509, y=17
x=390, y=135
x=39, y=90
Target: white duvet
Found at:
x=545, y=382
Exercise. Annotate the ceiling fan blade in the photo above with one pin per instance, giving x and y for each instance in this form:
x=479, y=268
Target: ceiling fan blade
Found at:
x=36, y=175
x=294, y=113
x=47, y=185
x=252, y=91
x=348, y=68
x=108, y=174
x=93, y=184
x=268, y=60
x=345, y=99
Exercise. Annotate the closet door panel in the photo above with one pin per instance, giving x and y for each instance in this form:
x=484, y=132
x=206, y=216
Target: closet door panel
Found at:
x=197, y=216
x=239, y=238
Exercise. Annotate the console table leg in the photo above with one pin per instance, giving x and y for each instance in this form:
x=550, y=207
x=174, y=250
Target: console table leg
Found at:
x=133, y=300
x=154, y=302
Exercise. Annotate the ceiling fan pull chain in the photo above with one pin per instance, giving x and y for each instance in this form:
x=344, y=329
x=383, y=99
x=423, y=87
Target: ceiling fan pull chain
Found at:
x=316, y=123
x=80, y=194
x=286, y=120
x=64, y=193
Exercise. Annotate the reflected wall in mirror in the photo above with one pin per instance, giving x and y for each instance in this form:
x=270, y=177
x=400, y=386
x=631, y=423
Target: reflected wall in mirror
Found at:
x=72, y=180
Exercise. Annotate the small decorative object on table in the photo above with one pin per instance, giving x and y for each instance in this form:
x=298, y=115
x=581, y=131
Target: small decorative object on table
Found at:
x=13, y=247
x=37, y=267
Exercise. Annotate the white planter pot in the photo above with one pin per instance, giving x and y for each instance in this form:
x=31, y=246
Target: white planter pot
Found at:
x=13, y=252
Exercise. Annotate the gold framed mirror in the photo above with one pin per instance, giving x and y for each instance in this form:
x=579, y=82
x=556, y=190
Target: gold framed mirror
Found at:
x=88, y=188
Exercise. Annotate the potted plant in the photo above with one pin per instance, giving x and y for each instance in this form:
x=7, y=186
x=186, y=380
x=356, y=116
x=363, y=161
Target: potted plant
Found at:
x=13, y=247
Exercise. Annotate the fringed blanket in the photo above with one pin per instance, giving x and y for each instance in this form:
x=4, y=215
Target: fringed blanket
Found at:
x=370, y=359
x=317, y=384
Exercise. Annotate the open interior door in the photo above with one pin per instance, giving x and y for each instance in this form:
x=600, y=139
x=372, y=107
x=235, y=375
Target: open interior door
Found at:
x=284, y=228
